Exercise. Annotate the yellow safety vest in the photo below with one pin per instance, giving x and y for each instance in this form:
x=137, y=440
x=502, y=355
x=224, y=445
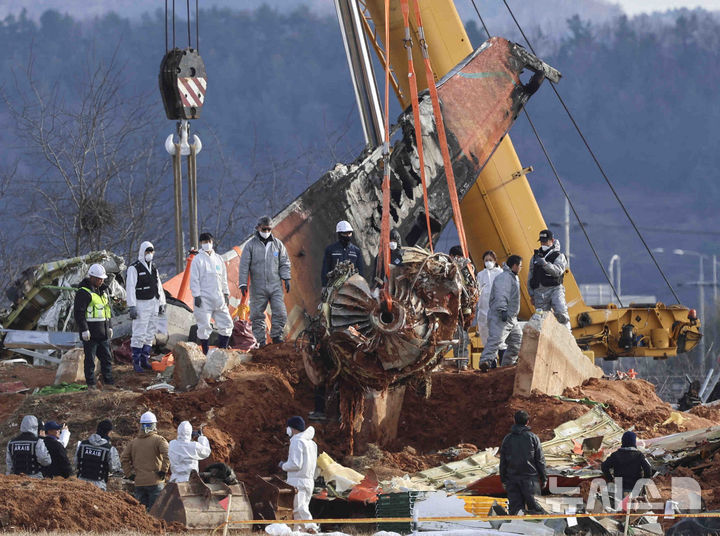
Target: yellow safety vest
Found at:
x=99, y=308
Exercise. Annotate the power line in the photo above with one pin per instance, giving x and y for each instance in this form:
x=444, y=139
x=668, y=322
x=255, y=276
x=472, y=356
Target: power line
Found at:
x=597, y=162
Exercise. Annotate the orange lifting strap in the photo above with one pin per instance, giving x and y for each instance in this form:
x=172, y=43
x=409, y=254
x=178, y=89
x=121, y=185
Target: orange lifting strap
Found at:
x=385, y=224
x=442, y=138
x=416, y=114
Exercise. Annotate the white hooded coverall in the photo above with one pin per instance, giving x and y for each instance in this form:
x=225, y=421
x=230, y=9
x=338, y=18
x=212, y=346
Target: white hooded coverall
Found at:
x=300, y=467
x=146, y=325
x=208, y=281
x=184, y=453
x=504, y=296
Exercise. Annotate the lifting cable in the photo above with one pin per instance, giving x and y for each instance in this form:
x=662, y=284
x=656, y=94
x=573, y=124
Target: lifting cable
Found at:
x=442, y=137
x=412, y=79
x=385, y=221
x=560, y=182
x=597, y=162
x=197, y=25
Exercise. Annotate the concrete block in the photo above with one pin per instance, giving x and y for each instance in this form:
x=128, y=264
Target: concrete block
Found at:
x=220, y=360
x=189, y=363
x=174, y=327
x=72, y=367
x=550, y=360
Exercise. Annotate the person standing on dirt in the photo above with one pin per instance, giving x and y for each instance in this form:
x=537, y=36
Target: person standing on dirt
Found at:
x=56, y=440
x=340, y=251
x=545, y=278
x=146, y=302
x=96, y=458
x=627, y=465
x=26, y=454
x=300, y=467
x=502, y=316
x=145, y=460
x=92, y=318
x=184, y=453
x=522, y=467
x=265, y=259
x=209, y=288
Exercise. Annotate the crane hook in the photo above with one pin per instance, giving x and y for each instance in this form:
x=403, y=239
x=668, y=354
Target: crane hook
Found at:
x=184, y=133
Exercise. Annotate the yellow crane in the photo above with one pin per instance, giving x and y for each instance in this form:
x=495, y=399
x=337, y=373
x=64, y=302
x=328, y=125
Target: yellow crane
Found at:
x=500, y=211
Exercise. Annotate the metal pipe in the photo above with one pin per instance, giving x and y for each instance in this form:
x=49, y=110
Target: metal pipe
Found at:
x=177, y=182
x=192, y=197
x=567, y=232
x=611, y=269
x=361, y=70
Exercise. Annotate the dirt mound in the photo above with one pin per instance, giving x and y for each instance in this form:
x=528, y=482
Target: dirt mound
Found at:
x=70, y=505
x=476, y=408
x=711, y=413
x=635, y=403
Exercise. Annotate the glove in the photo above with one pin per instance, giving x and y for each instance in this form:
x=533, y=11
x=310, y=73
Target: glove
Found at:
x=287, y=286
x=540, y=261
x=161, y=310
x=504, y=316
x=161, y=474
x=198, y=301
x=85, y=335
x=243, y=289
x=227, y=299
x=133, y=312
x=195, y=434
x=110, y=333
x=280, y=464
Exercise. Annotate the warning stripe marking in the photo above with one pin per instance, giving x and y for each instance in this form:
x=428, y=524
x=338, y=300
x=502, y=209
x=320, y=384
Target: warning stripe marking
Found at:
x=192, y=91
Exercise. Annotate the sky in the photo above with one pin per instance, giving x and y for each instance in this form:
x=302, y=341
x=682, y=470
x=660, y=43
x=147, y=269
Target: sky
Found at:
x=633, y=7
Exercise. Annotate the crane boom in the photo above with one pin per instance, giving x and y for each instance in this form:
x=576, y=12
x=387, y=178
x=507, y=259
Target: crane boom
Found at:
x=500, y=211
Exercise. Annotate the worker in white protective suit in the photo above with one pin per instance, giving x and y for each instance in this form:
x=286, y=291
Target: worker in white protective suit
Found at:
x=209, y=287
x=184, y=453
x=146, y=302
x=300, y=467
x=485, y=280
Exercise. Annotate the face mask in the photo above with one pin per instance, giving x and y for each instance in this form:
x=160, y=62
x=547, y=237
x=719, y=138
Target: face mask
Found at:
x=148, y=257
x=344, y=240
x=393, y=245
x=545, y=248
x=264, y=234
x=288, y=431
x=207, y=246
x=489, y=265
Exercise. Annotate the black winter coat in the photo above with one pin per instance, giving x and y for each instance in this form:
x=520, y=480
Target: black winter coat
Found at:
x=521, y=456
x=627, y=463
x=60, y=465
x=336, y=253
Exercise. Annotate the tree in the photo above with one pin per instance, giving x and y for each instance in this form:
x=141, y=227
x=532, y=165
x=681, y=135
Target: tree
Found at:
x=91, y=181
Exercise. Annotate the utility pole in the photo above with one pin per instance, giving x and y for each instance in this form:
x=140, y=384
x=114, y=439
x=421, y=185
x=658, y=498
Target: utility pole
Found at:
x=567, y=231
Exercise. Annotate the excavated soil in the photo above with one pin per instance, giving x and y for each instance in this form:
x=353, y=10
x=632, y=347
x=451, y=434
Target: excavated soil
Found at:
x=71, y=505
x=634, y=403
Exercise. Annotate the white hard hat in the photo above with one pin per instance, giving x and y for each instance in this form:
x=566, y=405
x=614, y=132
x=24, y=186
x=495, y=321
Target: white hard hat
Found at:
x=148, y=418
x=343, y=227
x=97, y=270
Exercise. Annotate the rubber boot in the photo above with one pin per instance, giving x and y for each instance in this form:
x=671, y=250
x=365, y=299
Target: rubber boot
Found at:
x=136, y=359
x=145, y=357
x=223, y=341
x=205, y=345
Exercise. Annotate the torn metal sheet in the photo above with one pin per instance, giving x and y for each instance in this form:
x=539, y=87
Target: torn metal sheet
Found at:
x=40, y=340
x=41, y=299
x=559, y=454
x=480, y=100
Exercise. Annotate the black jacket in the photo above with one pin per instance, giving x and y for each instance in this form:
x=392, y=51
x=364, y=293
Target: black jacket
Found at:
x=60, y=465
x=396, y=259
x=521, y=456
x=628, y=463
x=336, y=253
x=98, y=330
